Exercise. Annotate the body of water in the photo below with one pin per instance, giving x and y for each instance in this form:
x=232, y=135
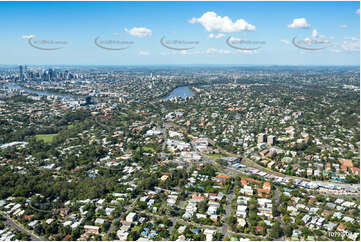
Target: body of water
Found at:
x=181, y=92
x=40, y=93
x=295, y=86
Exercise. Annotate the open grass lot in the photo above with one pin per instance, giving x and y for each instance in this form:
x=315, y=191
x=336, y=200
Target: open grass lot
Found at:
x=47, y=138
x=147, y=149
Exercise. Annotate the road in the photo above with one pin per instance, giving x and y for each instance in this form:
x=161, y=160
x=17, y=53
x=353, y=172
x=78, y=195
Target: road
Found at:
x=12, y=223
x=218, y=229
x=229, y=197
x=277, y=203
x=126, y=208
x=250, y=163
x=253, y=164
x=164, y=139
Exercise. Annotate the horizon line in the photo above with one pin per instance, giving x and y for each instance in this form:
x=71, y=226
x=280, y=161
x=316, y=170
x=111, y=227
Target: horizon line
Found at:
x=144, y=65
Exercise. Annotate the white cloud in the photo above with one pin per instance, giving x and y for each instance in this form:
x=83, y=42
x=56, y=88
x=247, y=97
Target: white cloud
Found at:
x=285, y=41
x=307, y=41
x=343, y=26
x=358, y=11
x=214, y=23
x=351, y=44
x=28, y=36
x=348, y=45
x=143, y=52
x=314, y=33
x=299, y=23
x=216, y=36
x=140, y=32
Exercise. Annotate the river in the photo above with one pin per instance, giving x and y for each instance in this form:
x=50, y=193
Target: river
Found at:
x=181, y=92
x=40, y=93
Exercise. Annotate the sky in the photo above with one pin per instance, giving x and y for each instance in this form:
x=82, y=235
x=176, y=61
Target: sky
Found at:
x=186, y=33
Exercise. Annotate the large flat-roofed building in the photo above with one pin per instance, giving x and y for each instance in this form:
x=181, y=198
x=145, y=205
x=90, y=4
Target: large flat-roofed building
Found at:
x=261, y=138
x=91, y=229
x=130, y=217
x=271, y=139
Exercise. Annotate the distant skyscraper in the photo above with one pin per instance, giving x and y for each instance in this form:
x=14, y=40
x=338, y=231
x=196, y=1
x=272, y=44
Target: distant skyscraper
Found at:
x=52, y=74
x=21, y=73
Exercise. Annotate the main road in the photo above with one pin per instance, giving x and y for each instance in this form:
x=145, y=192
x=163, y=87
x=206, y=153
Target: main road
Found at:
x=250, y=163
x=12, y=223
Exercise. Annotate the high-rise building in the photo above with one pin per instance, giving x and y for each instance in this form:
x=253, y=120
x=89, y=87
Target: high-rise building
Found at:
x=261, y=138
x=21, y=73
x=52, y=74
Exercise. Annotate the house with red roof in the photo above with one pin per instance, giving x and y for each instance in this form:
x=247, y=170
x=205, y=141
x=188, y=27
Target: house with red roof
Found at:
x=355, y=170
x=344, y=162
x=197, y=197
x=340, y=227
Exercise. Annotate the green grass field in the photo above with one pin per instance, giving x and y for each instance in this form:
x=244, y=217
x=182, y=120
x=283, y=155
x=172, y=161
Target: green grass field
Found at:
x=147, y=149
x=47, y=138
x=70, y=126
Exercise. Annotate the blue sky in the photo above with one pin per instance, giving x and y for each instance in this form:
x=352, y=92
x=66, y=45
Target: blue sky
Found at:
x=205, y=26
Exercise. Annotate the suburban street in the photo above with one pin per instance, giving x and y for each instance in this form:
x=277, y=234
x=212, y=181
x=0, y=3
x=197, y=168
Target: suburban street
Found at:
x=11, y=223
